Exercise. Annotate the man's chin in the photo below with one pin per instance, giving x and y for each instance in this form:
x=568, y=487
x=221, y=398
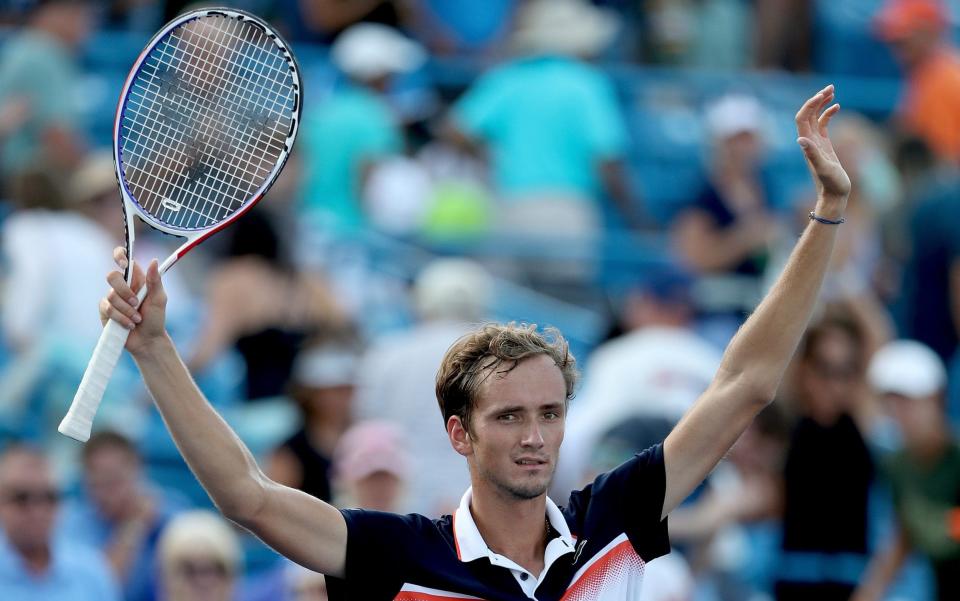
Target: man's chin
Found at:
x=526, y=490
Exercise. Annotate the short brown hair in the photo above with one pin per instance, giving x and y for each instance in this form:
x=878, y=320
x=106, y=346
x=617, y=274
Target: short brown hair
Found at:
x=478, y=354
x=108, y=439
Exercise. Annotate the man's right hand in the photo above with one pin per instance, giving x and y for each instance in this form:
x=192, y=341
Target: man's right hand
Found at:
x=145, y=320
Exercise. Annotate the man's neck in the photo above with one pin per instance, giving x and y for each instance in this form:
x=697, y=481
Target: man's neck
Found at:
x=932, y=448
x=513, y=528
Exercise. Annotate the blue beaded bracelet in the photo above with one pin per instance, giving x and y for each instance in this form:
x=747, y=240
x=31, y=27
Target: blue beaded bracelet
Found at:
x=816, y=217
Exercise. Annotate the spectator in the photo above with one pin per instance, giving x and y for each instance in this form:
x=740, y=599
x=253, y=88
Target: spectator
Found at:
x=657, y=369
x=924, y=475
x=120, y=514
x=35, y=565
x=551, y=124
x=398, y=375
x=929, y=293
x=371, y=467
x=199, y=558
x=827, y=452
x=323, y=382
x=354, y=127
x=59, y=234
x=725, y=235
x=38, y=71
x=259, y=303
x=917, y=32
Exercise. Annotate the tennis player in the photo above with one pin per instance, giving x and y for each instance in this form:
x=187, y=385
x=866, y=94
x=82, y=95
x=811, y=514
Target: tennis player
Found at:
x=503, y=392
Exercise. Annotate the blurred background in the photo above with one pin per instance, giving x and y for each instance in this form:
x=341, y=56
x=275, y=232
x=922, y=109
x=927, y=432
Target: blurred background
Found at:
x=625, y=170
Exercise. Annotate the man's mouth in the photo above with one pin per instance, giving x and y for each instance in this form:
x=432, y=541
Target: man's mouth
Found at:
x=530, y=461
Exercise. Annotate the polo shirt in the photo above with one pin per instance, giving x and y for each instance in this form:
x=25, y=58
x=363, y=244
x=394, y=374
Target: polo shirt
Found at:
x=600, y=543
x=545, y=142
x=76, y=573
x=348, y=130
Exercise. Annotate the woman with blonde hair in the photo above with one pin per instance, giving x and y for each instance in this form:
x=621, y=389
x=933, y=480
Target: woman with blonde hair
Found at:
x=199, y=558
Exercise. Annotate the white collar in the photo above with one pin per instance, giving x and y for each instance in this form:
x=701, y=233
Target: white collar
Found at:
x=470, y=544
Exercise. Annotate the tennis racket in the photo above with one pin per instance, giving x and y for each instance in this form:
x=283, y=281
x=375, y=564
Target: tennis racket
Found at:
x=205, y=122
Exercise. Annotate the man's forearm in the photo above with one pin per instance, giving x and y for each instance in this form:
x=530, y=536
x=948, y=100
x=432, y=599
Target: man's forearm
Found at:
x=758, y=355
x=218, y=458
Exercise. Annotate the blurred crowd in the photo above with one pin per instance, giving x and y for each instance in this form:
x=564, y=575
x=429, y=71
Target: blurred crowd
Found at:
x=472, y=160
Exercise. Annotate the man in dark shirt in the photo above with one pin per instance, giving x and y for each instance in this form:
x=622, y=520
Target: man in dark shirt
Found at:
x=503, y=391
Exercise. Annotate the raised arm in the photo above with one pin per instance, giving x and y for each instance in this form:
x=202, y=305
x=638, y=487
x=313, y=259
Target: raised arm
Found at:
x=757, y=357
x=303, y=528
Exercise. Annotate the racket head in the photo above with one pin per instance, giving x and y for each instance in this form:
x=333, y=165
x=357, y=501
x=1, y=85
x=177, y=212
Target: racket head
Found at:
x=205, y=122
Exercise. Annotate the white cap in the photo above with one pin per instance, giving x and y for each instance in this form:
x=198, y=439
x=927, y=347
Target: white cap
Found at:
x=94, y=177
x=368, y=50
x=907, y=368
x=453, y=288
x=734, y=114
x=571, y=27
x=325, y=367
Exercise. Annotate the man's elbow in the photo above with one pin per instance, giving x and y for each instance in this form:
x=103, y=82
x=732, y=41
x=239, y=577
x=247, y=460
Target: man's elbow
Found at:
x=752, y=387
x=244, y=503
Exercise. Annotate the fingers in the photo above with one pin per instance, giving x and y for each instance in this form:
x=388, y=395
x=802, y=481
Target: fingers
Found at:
x=118, y=311
x=120, y=257
x=155, y=283
x=120, y=304
x=823, y=122
x=806, y=117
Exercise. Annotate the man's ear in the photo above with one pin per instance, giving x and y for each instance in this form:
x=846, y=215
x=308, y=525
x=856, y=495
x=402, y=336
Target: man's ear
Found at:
x=459, y=436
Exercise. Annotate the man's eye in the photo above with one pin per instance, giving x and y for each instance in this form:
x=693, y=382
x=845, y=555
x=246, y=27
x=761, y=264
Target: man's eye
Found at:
x=551, y=415
x=507, y=417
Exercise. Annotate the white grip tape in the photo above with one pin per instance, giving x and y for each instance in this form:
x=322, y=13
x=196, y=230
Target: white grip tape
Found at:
x=79, y=419
x=78, y=422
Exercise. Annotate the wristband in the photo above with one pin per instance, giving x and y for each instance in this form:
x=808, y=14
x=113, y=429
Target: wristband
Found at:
x=816, y=217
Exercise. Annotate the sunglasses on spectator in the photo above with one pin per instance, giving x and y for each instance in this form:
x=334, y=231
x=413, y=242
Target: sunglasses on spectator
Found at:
x=835, y=371
x=193, y=569
x=26, y=498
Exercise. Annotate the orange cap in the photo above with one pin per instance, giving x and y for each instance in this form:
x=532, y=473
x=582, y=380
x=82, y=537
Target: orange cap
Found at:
x=899, y=18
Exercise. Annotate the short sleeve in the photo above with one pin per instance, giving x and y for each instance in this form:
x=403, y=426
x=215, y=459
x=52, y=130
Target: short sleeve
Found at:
x=603, y=118
x=376, y=558
x=626, y=500
x=479, y=110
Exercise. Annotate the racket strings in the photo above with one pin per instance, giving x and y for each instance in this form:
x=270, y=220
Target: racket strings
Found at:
x=206, y=121
x=203, y=60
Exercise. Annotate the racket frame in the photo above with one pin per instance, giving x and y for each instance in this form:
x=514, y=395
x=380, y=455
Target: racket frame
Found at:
x=130, y=205
x=78, y=422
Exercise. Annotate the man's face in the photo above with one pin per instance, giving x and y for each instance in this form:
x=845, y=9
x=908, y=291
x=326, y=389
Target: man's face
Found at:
x=112, y=478
x=199, y=576
x=919, y=419
x=28, y=501
x=911, y=49
x=517, y=426
x=831, y=376
x=379, y=491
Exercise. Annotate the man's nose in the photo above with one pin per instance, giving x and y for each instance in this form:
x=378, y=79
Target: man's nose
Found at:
x=533, y=437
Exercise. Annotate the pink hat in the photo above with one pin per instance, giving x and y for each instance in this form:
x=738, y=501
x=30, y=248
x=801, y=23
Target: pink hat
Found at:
x=369, y=447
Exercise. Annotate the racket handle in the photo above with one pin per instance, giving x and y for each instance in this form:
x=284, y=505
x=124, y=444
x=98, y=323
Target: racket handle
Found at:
x=79, y=419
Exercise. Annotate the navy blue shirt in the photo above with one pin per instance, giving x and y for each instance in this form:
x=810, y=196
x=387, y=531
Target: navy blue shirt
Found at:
x=601, y=543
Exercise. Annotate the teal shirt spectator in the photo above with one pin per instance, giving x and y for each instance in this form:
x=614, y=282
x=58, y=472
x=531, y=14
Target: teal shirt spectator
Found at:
x=548, y=122
x=39, y=69
x=351, y=129
x=76, y=573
